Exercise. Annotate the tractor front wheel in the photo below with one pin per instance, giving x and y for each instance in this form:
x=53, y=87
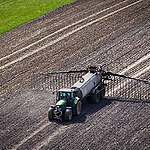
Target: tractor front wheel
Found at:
x=68, y=114
x=50, y=114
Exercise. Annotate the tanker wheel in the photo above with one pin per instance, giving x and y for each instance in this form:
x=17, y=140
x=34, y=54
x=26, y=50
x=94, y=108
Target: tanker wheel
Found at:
x=102, y=95
x=78, y=108
x=50, y=114
x=96, y=98
x=68, y=114
x=99, y=96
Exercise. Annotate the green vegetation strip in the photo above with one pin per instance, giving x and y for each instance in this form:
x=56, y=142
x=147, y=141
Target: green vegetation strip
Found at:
x=17, y=12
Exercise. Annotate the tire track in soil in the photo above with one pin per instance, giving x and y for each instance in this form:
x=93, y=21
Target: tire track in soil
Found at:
x=42, y=28
x=106, y=48
x=64, y=36
x=46, y=129
x=78, y=131
x=56, y=146
x=50, y=139
x=36, y=61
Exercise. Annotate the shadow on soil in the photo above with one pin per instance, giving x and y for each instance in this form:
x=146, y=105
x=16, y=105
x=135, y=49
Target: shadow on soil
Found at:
x=89, y=109
x=130, y=101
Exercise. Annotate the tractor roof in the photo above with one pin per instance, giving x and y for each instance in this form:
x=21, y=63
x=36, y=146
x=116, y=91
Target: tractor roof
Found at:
x=67, y=90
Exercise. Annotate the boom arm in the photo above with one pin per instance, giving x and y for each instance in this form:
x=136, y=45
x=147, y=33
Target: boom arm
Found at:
x=119, y=86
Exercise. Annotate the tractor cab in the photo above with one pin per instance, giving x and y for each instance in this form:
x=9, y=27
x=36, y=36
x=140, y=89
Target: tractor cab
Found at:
x=65, y=94
x=67, y=104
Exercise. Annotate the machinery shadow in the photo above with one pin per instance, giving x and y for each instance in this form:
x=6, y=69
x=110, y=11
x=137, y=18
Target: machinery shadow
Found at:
x=89, y=109
x=128, y=100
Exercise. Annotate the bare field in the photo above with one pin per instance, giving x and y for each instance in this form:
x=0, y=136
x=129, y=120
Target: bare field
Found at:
x=88, y=32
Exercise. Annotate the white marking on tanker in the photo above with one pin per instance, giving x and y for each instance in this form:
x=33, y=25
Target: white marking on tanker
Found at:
x=60, y=38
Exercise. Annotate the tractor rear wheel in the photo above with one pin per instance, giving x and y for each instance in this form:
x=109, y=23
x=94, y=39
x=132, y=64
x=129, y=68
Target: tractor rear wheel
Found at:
x=50, y=114
x=78, y=108
x=68, y=114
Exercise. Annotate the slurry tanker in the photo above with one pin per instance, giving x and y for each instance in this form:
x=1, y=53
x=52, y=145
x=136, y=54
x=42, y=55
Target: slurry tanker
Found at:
x=92, y=84
x=69, y=100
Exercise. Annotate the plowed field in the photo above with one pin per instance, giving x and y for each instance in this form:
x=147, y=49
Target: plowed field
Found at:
x=87, y=32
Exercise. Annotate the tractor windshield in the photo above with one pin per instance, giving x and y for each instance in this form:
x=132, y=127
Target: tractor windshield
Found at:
x=64, y=95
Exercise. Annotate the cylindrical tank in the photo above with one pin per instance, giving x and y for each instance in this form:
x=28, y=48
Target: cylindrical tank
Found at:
x=87, y=83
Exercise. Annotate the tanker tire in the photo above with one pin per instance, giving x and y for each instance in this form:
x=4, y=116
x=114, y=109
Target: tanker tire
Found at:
x=89, y=99
x=68, y=114
x=99, y=96
x=50, y=114
x=78, y=108
x=102, y=95
x=96, y=98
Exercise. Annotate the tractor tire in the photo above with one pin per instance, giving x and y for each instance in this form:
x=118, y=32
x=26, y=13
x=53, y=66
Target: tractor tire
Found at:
x=68, y=114
x=102, y=94
x=78, y=108
x=50, y=114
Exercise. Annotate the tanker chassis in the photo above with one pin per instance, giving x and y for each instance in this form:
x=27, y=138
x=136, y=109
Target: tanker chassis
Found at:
x=69, y=100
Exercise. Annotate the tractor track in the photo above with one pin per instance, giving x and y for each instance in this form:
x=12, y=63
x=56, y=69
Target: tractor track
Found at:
x=68, y=32
x=117, y=41
x=102, y=130
x=59, y=49
x=49, y=26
